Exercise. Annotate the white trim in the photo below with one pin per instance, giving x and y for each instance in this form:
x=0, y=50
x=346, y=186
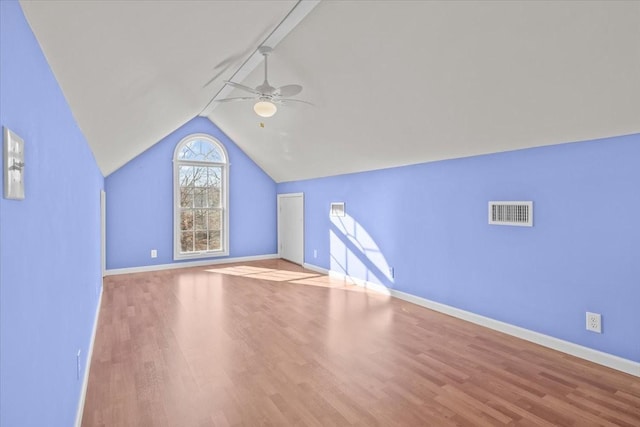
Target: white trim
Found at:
x=376, y=287
x=158, y=267
x=87, y=364
x=279, y=231
x=291, y=194
x=596, y=356
x=103, y=231
x=225, y=166
x=316, y=268
x=582, y=352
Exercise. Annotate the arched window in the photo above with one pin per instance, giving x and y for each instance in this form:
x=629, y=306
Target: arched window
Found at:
x=201, y=213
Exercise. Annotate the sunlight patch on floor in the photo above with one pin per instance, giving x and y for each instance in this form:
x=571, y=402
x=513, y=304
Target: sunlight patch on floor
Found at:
x=241, y=270
x=275, y=275
x=328, y=282
x=296, y=277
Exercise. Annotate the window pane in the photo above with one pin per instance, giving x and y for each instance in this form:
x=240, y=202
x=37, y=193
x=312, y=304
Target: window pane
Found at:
x=202, y=151
x=215, y=155
x=200, y=219
x=187, y=153
x=215, y=184
x=186, y=220
x=200, y=197
x=213, y=194
x=186, y=176
x=201, y=241
x=186, y=241
x=215, y=220
x=200, y=176
x=214, y=176
x=186, y=197
x=215, y=242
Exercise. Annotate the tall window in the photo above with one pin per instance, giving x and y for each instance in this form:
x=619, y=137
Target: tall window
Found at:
x=200, y=198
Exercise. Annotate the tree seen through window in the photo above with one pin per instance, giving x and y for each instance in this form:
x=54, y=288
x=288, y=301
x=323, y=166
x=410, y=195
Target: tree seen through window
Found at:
x=201, y=182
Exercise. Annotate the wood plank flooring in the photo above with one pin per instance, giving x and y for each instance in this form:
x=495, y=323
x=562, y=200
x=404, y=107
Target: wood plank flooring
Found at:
x=270, y=344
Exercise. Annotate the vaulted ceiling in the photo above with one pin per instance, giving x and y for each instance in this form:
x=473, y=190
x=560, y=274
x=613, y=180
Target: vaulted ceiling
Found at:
x=392, y=82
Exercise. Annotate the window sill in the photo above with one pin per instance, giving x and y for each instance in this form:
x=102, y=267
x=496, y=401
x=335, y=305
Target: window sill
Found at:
x=200, y=255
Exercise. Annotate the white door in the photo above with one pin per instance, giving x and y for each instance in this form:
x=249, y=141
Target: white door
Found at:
x=291, y=227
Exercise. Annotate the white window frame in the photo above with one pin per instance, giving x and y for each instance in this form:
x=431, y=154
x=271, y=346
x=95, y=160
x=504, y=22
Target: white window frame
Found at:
x=177, y=255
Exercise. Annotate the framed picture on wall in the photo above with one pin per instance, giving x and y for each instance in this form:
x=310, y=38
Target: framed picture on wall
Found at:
x=13, y=166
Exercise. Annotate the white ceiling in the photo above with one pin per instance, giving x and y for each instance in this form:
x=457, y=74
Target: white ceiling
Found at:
x=394, y=82
x=133, y=71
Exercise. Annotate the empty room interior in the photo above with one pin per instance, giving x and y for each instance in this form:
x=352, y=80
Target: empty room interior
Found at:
x=320, y=213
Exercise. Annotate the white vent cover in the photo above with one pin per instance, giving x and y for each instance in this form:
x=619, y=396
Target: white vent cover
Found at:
x=337, y=209
x=511, y=213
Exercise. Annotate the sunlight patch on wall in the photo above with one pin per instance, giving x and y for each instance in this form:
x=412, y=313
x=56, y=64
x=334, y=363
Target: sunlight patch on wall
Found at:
x=355, y=254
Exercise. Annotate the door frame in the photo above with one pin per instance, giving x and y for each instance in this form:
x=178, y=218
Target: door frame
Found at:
x=278, y=208
x=103, y=232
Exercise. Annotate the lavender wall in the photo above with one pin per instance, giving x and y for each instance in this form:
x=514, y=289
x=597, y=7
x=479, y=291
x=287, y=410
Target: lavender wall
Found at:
x=140, y=204
x=429, y=223
x=50, y=274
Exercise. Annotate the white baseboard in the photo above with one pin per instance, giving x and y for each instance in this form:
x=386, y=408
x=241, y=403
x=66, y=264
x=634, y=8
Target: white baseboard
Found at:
x=87, y=364
x=316, y=268
x=353, y=280
x=200, y=263
x=376, y=287
x=595, y=356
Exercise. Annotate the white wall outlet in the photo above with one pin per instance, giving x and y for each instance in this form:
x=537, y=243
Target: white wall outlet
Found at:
x=594, y=322
x=392, y=272
x=154, y=253
x=315, y=253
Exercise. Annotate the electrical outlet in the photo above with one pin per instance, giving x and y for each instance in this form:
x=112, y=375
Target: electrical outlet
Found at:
x=315, y=253
x=154, y=253
x=392, y=272
x=594, y=322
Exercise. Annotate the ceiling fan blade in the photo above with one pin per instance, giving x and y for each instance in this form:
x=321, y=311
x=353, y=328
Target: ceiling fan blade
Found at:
x=288, y=101
x=288, y=90
x=243, y=98
x=242, y=87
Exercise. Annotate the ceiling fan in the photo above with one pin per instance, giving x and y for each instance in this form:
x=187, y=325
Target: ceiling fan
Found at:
x=266, y=95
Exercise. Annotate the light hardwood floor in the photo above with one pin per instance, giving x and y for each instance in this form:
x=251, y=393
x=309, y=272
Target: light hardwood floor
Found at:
x=268, y=343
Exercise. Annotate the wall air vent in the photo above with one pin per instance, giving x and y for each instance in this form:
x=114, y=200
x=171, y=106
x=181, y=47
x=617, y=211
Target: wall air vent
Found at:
x=337, y=209
x=511, y=213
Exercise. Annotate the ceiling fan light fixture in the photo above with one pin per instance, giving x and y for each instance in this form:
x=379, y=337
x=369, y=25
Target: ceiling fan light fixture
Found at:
x=265, y=108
